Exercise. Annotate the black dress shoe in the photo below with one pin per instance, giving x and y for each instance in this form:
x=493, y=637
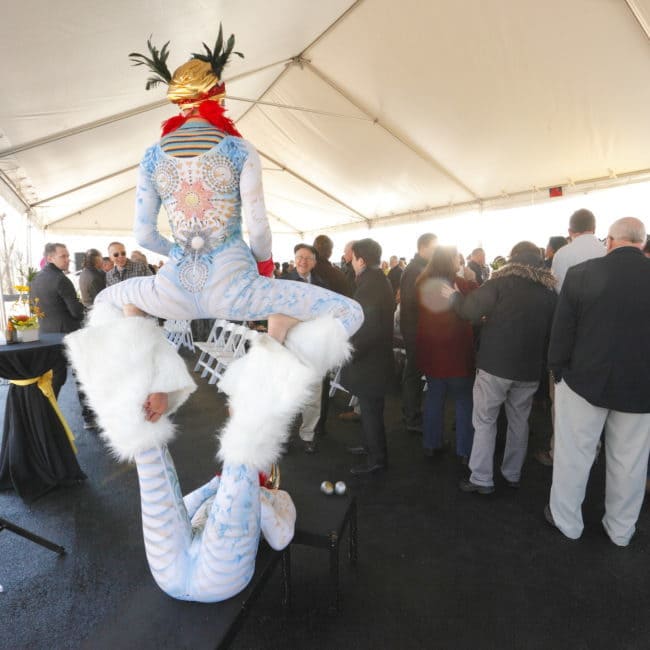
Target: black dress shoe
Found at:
x=467, y=486
x=358, y=451
x=548, y=515
x=309, y=447
x=367, y=469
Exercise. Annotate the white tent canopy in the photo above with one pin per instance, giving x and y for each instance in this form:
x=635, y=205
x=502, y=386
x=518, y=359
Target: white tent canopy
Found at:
x=364, y=113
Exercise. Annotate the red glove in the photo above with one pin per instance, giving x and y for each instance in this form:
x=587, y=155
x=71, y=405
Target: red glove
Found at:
x=266, y=267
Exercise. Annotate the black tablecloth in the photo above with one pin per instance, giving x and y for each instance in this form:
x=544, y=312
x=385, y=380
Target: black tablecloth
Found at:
x=36, y=455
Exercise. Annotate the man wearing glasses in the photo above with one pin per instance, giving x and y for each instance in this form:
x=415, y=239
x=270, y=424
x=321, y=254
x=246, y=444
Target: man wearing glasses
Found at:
x=123, y=267
x=305, y=261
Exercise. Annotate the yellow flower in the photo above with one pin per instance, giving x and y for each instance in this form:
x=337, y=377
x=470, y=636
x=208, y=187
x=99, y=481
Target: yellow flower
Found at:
x=21, y=288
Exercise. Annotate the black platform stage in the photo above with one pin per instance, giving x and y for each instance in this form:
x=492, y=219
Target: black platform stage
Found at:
x=437, y=568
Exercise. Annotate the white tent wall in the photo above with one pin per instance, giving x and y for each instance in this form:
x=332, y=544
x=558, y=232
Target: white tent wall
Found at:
x=365, y=113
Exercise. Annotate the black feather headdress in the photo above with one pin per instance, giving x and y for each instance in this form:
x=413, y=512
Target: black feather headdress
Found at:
x=157, y=64
x=218, y=57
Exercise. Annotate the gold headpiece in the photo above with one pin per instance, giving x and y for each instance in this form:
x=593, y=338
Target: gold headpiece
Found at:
x=195, y=81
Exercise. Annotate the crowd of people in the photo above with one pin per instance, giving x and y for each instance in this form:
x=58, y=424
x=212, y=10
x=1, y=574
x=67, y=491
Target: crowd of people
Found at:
x=569, y=317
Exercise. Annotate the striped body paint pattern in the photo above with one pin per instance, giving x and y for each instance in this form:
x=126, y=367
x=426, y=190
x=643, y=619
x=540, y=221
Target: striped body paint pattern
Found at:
x=191, y=140
x=214, y=561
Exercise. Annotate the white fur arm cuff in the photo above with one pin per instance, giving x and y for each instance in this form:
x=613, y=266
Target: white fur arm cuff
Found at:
x=119, y=363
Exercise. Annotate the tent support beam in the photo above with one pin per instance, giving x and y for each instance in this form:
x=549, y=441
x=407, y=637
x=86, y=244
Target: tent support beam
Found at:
x=638, y=15
x=89, y=207
x=299, y=57
x=392, y=132
x=284, y=168
x=302, y=109
x=85, y=185
x=13, y=189
x=111, y=119
x=285, y=223
x=508, y=200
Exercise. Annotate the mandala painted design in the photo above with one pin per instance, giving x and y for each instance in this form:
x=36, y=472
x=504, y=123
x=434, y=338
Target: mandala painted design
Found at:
x=166, y=178
x=192, y=199
x=219, y=174
x=223, y=210
x=193, y=274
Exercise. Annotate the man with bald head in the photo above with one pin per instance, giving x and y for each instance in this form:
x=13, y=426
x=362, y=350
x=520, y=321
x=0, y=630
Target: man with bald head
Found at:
x=599, y=355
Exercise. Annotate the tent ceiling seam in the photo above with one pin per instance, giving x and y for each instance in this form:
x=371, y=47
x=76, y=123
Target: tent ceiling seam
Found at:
x=85, y=185
x=400, y=138
x=260, y=102
x=613, y=180
x=330, y=27
x=117, y=117
x=13, y=189
x=638, y=15
x=285, y=223
x=91, y=207
x=314, y=186
x=297, y=60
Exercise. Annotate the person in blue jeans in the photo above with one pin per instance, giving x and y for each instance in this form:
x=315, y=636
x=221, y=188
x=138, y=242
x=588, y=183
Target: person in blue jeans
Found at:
x=445, y=352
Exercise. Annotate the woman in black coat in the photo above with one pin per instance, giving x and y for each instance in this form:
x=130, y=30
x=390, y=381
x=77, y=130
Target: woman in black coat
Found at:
x=370, y=372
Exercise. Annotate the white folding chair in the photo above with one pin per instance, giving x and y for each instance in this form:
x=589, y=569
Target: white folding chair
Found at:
x=210, y=349
x=179, y=333
x=335, y=385
x=235, y=347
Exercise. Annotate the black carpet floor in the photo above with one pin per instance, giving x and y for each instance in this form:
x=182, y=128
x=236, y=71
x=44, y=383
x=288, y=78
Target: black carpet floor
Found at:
x=437, y=568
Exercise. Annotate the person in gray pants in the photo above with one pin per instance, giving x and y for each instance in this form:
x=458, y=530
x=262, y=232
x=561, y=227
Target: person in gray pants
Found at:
x=515, y=308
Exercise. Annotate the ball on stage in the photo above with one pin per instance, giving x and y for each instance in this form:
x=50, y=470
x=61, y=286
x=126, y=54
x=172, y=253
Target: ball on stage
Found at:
x=340, y=488
x=326, y=487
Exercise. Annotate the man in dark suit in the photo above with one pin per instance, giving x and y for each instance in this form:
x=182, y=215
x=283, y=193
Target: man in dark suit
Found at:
x=305, y=261
x=412, y=378
x=92, y=279
x=58, y=300
x=395, y=274
x=600, y=356
x=370, y=372
x=333, y=278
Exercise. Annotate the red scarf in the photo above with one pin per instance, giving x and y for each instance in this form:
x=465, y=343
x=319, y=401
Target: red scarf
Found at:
x=213, y=112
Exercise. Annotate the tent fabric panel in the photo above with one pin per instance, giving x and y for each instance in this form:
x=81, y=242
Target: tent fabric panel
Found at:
x=301, y=206
x=505, y=95
x=357, y=162
x=113, y=215
x=77, y=52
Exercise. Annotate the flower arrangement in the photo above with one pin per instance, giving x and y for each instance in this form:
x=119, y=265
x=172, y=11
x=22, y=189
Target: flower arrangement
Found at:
x=25, y=313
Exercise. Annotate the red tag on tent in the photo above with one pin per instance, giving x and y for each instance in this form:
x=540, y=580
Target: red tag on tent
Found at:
x=555, y=191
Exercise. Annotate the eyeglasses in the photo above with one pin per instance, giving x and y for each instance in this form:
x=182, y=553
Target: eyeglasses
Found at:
x=120, y=254
x=302, y=258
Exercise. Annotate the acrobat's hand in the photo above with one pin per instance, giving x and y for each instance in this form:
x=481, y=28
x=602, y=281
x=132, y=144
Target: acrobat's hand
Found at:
x=155, y=406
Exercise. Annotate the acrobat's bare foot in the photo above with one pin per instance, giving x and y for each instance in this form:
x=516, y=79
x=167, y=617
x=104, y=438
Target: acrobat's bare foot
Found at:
x=279, y=325
x=132, y=310
x=155, y=406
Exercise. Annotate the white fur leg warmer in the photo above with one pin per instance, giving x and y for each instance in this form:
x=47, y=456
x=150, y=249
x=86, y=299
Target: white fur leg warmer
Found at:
x=119, y=362
x=269, y=385
x=321, y=343
x=266, y=388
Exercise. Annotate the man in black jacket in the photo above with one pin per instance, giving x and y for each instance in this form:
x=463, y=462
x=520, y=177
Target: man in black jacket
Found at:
x=92, y=279
x=58, y=300
x=600, y=355
x=408, y=312
x=516, y=310
x=333, y=278
x=370, y=372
